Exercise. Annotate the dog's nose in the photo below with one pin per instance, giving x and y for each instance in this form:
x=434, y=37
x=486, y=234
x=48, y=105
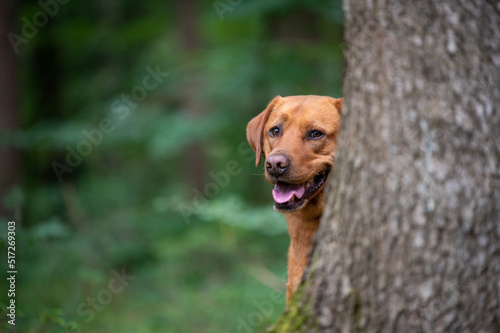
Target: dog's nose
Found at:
x=277, y=164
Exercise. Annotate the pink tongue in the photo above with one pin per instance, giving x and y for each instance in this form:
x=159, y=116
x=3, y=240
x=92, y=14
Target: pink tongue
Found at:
x=284, y=192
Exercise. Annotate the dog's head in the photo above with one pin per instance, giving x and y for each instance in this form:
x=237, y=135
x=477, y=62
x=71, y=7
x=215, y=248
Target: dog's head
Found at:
x=297, y=136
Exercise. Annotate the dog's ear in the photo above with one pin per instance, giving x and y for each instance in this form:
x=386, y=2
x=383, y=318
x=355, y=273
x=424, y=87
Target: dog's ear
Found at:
x=255, y=128
x=338, y=103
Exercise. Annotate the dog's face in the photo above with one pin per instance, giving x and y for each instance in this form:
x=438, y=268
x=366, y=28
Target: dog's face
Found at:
x=297, y=136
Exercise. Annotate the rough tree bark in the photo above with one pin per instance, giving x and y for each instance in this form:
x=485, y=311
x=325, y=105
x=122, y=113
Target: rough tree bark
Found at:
x=410, y=241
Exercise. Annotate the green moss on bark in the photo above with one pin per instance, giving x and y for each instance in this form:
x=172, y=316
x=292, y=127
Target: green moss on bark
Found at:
x=299, y=316
x=296, y=317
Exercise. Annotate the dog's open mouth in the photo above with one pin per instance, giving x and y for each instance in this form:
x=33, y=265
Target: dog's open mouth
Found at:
x=290, y=197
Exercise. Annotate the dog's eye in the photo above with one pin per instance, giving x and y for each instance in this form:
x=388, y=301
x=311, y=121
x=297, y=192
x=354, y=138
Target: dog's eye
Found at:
x=275, y=131
x=315, y=134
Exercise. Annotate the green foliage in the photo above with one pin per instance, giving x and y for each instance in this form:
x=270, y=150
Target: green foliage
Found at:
x=118, y=207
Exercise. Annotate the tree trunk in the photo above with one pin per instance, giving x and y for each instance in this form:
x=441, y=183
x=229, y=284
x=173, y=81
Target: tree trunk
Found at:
x=192, y=88
x=410, y=238
x=10, y=164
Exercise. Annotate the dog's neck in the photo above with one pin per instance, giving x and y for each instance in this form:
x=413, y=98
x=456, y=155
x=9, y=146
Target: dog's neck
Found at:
x=301, y=233
x=302, y=226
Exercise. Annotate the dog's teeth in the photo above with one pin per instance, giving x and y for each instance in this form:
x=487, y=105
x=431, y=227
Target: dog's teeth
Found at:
x=309, y=184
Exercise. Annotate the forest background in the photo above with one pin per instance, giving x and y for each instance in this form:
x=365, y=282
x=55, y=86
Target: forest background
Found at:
x=125, y=166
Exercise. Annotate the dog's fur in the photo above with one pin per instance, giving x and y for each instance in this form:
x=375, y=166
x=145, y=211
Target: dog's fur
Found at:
x=298, y=136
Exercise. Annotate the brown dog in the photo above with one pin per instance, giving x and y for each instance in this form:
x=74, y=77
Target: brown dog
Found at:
x=297, y=136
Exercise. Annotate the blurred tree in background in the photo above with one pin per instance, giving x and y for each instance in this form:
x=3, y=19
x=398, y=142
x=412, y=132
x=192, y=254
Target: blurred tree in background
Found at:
x=124, y=154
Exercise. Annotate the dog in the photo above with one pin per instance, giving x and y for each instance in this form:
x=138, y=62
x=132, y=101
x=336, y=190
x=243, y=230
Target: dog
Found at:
x=297, y=135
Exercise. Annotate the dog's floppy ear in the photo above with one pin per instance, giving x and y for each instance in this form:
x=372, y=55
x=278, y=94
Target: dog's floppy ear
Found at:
x=255, y=128
x=338, y=103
